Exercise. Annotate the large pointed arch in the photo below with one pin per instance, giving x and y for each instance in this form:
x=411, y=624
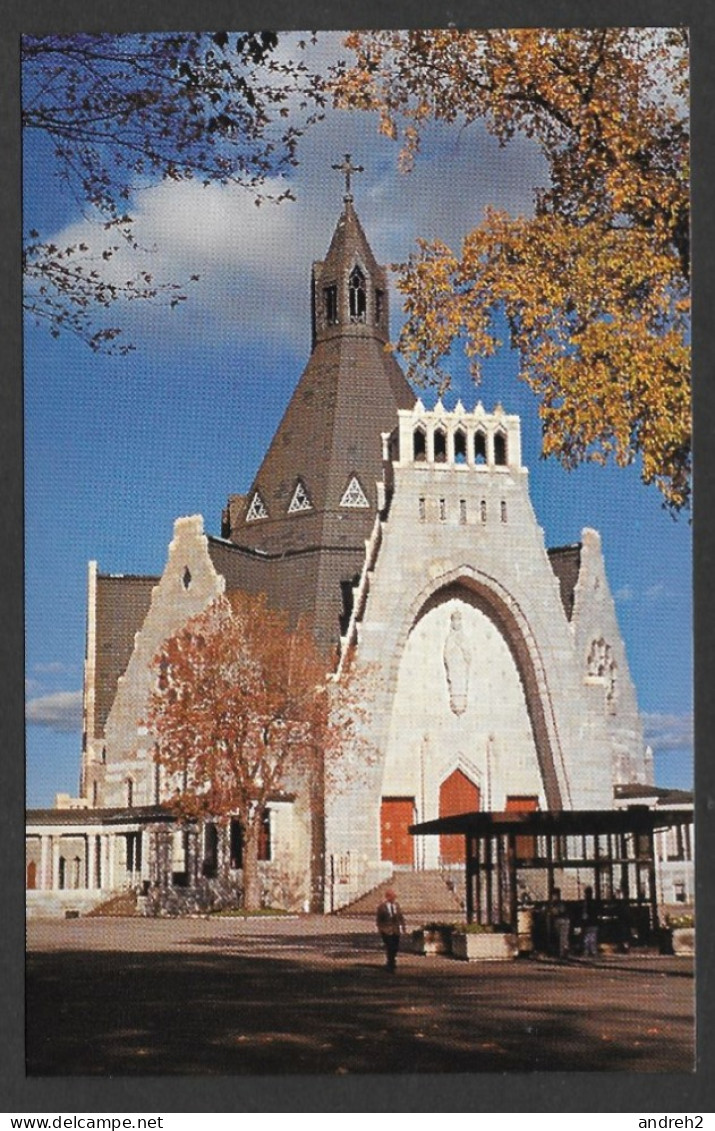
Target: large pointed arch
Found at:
x=502, y=608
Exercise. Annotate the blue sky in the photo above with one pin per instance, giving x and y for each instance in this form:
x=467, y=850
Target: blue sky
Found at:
x=117, y=447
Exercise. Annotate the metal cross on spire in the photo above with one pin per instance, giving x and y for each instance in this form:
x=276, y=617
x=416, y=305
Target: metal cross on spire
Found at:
x=347, y=168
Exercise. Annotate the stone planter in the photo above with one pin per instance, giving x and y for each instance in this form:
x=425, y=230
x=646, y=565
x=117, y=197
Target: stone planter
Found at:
x=484, y=946
x=683, y=940
x=677, y=940
x=432, y=940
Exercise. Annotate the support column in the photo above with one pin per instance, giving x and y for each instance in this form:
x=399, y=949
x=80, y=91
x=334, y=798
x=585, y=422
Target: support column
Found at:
x=469, y=875
x=144, y=850
x=55, y=863
x=45, y=883
x=652, y=885
x=90, y=878
x=109, y=855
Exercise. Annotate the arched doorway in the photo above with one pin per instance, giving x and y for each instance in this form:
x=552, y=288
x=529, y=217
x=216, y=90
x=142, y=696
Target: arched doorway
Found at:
x=31, y=876
x=457, y=794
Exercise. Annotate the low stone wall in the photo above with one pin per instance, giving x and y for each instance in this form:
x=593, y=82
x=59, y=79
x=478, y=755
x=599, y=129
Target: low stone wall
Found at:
x=58, y=904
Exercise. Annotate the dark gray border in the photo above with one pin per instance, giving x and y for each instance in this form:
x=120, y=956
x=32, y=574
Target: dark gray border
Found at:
x=526, y=1093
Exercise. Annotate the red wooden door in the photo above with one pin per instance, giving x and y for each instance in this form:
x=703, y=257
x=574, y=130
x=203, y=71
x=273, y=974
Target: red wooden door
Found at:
x=396, y=815
x=525, y=846
x=457, y=794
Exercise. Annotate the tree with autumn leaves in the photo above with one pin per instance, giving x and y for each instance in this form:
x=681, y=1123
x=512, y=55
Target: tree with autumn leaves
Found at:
x=122, y=111
x=242, y=710
x=594, y=287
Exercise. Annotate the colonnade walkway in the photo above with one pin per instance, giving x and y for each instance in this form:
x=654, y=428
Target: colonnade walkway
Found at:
x=310, y=994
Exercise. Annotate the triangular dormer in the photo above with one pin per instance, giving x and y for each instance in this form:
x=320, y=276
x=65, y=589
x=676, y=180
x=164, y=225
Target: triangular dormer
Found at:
x=317, y=481
x=257, y=509
x=354, y=496
x=301, y=499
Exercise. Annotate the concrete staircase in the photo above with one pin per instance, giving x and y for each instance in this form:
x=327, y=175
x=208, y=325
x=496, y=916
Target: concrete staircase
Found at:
x=421, y=895
x=117, y=906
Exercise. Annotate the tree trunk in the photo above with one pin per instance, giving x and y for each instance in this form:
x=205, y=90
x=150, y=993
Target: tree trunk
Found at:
x=251, y=878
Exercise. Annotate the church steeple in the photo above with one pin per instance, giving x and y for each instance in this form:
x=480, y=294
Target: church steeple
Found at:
x=349, y=287
x=314, y=498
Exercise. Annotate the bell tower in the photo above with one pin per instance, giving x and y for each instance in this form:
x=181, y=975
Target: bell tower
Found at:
x=349, y=287
x=313, y=501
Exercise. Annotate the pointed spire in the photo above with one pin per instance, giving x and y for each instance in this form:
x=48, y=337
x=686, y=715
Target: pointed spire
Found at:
x=350, y=291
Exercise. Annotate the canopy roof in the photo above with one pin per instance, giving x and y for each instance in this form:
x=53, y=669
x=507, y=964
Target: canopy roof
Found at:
x=567, y=822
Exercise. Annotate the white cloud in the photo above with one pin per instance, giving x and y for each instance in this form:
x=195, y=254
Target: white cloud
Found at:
x=668, y=731
x=61, y=711
x=254, y=262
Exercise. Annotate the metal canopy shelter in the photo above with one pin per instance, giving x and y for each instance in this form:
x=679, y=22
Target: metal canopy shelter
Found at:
x=609, y=850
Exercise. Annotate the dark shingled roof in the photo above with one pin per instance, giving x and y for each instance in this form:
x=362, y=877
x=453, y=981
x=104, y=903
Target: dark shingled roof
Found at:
x=566, y=563
x=349, y=393
x=122, y=605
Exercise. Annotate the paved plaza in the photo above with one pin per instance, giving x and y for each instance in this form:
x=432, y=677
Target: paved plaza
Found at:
x=309, y=995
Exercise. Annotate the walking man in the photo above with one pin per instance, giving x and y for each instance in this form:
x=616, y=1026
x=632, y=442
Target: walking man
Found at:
x=390, y=924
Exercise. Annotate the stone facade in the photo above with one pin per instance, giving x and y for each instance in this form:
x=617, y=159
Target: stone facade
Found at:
x=479, y=670
x=496, y=673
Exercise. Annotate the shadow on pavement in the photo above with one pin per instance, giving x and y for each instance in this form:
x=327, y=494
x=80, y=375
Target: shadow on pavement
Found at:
x=336, y=1010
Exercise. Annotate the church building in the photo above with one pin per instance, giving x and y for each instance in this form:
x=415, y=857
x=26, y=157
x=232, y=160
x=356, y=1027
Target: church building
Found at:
x=498, y=677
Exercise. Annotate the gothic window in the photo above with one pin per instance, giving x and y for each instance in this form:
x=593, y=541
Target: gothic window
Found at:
x=379, y=306
x=209, y=866
x=300, y=500
x=179, y=861
x=462, y=512
x=460, y=446
x=503, y=511
x=483, y=510
x=421, y=508
x=186, y=578
x=440, y=445
x=236, y=840
x=480, y=447
x=354, y=495
x=357, y=295
x=330, y=304
x=62, y=873
x=442, y=510
x=419, y=445
x=500, y=448
x=257, y=509
x=236, y=844
x=130, y=792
